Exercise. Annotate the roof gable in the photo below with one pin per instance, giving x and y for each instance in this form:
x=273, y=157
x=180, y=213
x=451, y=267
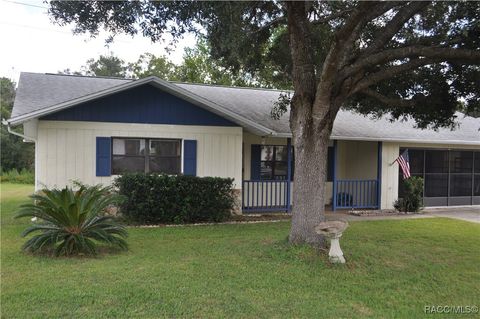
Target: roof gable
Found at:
x=143, y=104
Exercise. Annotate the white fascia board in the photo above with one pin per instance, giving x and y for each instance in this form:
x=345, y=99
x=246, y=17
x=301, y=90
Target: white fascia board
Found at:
x=398, y=140
x=169, y=87
x=393, y=140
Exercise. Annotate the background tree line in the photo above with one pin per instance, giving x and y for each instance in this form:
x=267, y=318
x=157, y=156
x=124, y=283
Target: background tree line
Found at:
x=197, y=66
x=14, y=153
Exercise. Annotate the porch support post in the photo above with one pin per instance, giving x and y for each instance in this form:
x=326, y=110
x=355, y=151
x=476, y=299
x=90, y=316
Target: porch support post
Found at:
x=334, y=177
x=289, y=171
x=379, y=174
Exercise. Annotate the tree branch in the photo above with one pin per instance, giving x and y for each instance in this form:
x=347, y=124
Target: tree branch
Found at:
x=439, y=53
x=389, y=73
x=388, y=101
x=330, y=65
x=343, y=50
x=398, y=21
x=274, y=23
x=332, y=16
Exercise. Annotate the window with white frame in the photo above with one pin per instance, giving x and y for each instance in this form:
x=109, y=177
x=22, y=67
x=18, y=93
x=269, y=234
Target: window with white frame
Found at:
x=148, y=155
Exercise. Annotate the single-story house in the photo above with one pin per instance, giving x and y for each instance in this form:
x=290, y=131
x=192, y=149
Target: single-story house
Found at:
x=94, y=128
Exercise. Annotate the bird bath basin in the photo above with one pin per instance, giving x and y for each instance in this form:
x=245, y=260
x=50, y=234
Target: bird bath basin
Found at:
x=333, y=230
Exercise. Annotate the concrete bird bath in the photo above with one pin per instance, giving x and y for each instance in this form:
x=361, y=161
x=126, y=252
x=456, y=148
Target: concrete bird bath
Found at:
x=333, y=230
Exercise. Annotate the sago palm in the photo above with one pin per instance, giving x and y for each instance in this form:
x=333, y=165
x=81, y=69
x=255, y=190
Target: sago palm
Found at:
x=73, y=221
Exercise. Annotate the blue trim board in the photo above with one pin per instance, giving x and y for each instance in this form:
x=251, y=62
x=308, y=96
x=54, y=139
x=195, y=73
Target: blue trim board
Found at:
x=334, y=179
x=103, y=156
x=190, y=157
x=379, y=174
x=255, y=157
x=145, y=104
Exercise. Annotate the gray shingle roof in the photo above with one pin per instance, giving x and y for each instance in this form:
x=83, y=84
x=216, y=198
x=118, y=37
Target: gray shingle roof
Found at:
x=255, y=104
x=39, y=91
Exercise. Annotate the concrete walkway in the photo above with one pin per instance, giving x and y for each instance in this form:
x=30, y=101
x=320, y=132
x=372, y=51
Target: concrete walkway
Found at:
x=345, y=216
x=467, y=213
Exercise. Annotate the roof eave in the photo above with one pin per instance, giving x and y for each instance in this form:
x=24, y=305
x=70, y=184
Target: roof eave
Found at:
x=391, y=140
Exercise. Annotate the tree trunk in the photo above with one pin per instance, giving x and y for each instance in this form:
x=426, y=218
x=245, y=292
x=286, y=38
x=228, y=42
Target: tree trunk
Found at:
x=311, y=121
x=311, y=147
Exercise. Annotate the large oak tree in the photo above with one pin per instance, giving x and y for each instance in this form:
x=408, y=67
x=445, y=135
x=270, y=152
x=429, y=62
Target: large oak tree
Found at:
x=405, y=58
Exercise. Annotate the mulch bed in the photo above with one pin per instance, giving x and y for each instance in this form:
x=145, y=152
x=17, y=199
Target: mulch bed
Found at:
x=236, y=219
x=261, y=217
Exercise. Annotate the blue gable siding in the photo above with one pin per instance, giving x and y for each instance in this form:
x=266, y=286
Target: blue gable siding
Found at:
x=145, y=104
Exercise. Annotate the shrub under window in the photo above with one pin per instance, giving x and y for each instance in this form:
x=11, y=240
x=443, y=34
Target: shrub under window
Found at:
x=159, y=199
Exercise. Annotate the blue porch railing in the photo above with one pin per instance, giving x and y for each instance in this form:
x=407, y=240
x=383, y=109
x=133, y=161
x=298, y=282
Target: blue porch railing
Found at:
x=265, y=196
x=355, y=193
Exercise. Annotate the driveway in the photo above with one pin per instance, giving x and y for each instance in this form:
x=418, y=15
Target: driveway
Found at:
x=466, y=213
x=470, y=214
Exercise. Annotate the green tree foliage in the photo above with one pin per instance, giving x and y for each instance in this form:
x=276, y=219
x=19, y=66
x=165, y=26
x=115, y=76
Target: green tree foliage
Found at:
x=14, y=153
x=149, y=64
x=105, y=65
x=197, y=66
x=72, y=222
x=7, y=96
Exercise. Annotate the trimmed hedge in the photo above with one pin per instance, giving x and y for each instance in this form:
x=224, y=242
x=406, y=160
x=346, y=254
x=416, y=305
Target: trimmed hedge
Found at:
x=160, y=199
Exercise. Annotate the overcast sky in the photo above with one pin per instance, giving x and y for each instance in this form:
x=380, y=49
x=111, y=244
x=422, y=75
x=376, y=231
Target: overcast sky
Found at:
x=31, y=43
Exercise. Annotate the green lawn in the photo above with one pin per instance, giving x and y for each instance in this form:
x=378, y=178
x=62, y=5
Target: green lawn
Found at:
x=394, y=269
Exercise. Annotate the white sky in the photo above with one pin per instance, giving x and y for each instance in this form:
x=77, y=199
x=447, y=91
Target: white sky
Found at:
x=30, y=42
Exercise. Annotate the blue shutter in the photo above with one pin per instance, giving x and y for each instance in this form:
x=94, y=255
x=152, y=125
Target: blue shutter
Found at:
x=330, y=165
x=190, y=157
x=104, y=146
x=255, y=161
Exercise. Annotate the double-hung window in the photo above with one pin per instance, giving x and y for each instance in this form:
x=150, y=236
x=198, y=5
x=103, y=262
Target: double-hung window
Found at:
x=147, y=155
x=273, y=162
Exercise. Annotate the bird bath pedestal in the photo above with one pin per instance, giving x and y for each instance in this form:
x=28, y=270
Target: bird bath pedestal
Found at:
x=333, y=230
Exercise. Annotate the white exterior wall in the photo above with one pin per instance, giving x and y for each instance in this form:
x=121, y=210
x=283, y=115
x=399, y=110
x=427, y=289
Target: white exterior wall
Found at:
x=389, y=180
x=67, y=150
x=390, y=170
x=357, y=160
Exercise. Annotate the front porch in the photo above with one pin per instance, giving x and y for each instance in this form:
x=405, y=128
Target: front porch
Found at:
x=353, y=175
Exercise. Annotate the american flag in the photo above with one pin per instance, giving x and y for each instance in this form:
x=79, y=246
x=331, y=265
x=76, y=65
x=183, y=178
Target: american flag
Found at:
x=404, y=163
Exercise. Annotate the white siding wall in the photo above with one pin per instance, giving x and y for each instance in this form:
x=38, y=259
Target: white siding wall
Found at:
x=389, y=175
x=357, y=160
x=67, y=150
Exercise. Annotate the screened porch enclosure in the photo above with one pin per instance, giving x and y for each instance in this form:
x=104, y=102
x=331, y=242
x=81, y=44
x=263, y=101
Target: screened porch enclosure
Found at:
x=451, y=177
x=353, y=176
